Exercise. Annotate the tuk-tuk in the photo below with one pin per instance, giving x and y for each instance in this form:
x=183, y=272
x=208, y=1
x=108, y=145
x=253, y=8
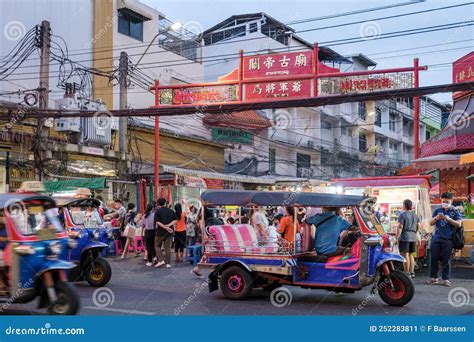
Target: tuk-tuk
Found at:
x=241, y=262
x=84, y=224
x=31, y=242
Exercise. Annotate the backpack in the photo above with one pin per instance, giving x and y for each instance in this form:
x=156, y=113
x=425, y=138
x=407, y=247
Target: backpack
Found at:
x=458, y=238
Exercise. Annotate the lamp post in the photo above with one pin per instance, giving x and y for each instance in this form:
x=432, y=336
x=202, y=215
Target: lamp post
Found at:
x=172, y=27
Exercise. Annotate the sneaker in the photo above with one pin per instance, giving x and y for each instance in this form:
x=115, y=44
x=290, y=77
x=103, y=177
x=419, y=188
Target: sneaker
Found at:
x=149, y=264
x=161, y=263
x=122, y=257
x=155, y=259
x=168, y=266
x=412, y=275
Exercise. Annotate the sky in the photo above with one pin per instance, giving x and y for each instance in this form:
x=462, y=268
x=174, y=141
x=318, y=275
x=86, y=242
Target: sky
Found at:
x=435, y=49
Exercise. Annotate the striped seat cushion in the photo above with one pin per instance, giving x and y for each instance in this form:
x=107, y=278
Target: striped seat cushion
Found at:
x=234, y=238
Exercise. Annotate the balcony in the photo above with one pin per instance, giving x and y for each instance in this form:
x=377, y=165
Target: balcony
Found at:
x=181, y=41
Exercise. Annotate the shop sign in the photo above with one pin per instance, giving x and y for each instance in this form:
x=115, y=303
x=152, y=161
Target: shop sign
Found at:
x=93, y=150
x=454, y=181
x=191, y=181
x=231, y=135
x=463, y=71
x=214, y=183
x=278, y=65
x=19, y=175
x=199, y=95
x=278, y=90
x=360, y=84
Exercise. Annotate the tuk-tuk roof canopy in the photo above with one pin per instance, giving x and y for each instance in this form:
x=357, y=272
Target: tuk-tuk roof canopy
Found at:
x=66, y=201
x=8, y=200
x=267, y=198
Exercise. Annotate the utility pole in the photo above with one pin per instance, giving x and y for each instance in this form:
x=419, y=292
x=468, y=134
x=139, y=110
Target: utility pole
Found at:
x=42, y=132
x=123, y=120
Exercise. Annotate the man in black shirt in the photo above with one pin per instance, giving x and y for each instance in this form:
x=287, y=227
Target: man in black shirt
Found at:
x=165, y=219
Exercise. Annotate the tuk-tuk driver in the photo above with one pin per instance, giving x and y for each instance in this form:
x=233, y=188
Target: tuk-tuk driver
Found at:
x=329, y=226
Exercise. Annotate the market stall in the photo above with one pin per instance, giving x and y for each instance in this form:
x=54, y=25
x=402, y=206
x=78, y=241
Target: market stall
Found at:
x=390, y=193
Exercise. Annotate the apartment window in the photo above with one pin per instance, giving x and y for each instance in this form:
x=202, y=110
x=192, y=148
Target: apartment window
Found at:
x=393, y=147
x=326, y=124
x=391, y=122
x=362, y=110
x=253, y=27
x=362, y=143
x=378, y=117
x=272, y=160
x=130, y=24
x=428, y=135
x=344, y=131
x=303, y=165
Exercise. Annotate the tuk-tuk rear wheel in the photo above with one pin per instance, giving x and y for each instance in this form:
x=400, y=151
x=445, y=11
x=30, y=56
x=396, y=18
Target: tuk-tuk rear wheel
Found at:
x=236, y=283
x=99, y=273
x=402, y=292
x=67, y=300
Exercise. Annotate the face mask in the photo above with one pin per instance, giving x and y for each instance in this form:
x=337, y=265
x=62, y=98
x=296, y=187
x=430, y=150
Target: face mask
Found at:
x=445, y=205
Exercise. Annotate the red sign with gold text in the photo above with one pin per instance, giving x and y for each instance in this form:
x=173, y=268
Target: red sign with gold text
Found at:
x=279, y=90
x=463, y=71
x=278, y=65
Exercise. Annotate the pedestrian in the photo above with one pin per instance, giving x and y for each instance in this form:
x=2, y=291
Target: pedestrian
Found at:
x=148, y=225
x=408, y=225
x=446, y=219
x=128, y=231
x=191, y=225
x=164, y=222
x=179, y=233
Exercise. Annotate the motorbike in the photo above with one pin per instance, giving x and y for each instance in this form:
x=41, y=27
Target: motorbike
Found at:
x=31, y=243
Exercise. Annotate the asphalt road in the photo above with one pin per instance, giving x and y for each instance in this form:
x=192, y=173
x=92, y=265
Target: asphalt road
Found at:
x=139, y=290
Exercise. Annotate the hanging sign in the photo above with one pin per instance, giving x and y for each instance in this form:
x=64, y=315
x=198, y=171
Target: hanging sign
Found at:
x=278, y=65
x=278, y=90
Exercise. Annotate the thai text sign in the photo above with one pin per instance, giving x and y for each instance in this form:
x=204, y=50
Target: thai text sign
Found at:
x=231, y=135
x=199, y=95
x=463, y=71
x=278, y=90
x=365, y=83
x=278, y=65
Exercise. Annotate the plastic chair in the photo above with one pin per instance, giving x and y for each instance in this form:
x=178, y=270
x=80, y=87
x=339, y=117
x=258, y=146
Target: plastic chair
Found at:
x=118, y=247
x=193, y=254
x=139, y=245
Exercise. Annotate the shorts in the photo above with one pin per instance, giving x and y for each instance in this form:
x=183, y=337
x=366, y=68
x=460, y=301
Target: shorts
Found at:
x=407, y=246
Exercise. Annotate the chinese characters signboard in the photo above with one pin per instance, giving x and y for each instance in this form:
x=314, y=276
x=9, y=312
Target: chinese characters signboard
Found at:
x=365, y=83
x=199, y=95
x=463, y=71
x=278, y=65
x=283, y=89
x=231, y=135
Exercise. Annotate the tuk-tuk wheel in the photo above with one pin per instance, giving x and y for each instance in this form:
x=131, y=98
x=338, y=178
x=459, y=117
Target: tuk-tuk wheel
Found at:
x=236, y=283
x=99, y=273
x=68, y=300
x=402, y=291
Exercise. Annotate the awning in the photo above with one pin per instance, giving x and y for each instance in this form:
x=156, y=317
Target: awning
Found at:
x=467, y=158
x=136, y=9
x=376, y=182
x=71, y=184
x=438, y=162
x=214, y=175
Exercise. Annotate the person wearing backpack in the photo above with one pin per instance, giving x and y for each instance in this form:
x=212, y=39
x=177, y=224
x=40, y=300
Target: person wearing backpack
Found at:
x=447, y=221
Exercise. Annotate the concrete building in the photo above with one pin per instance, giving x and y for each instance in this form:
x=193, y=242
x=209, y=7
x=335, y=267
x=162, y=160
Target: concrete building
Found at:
x=346, y=140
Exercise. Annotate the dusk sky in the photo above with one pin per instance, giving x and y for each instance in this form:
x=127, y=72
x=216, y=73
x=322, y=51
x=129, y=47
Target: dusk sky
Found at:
x=436, y=49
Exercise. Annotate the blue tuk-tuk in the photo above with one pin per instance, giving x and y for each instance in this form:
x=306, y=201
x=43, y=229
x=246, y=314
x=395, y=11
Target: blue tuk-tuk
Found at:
x=84, y=224
x=31, y=242
x=241, y=261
